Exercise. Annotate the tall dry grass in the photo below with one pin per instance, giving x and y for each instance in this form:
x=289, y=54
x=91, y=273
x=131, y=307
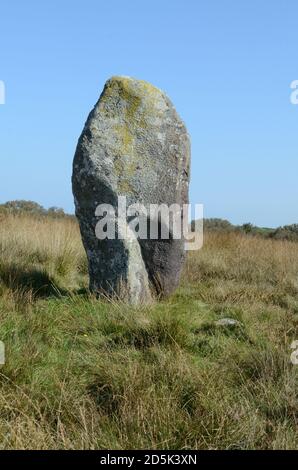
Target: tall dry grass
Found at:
x=82, y=373
x=40, y=254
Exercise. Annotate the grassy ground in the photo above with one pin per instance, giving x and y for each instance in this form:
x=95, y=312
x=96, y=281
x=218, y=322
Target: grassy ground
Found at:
x=81, y=373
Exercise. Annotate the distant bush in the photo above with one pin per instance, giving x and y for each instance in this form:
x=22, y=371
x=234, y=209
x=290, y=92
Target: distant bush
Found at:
x=248, y=228
x=22, y=206
x=288, y=232
x=56, y=212
x=31, y=208
x=216, y=225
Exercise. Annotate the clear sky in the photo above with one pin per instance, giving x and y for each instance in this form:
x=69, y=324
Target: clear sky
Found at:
x=227, y=65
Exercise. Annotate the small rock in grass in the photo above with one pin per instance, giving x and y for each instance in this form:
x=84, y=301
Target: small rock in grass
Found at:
x=227, y=322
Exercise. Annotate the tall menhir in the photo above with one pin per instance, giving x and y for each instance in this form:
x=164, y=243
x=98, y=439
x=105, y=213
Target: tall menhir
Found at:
x=133, y=144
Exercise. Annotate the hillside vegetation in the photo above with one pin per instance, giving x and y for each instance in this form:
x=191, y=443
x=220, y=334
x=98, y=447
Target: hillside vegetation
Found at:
x=287, y=232
x=87, y=374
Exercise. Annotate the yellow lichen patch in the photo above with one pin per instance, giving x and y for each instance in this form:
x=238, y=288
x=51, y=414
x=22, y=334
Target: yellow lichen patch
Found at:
x=137, y=87
x=124, y=172
x=125, y=163
x=129, y=103
x=125, y=136
x=133, y=94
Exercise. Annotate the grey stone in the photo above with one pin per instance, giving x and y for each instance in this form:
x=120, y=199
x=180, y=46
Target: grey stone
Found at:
x=227, y=322
x=133, y=144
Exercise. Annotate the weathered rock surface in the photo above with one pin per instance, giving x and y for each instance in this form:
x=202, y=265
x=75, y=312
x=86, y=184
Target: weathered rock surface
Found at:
x=135, y=145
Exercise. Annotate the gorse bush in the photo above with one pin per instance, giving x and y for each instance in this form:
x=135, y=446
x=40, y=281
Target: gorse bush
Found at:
x=86, y=374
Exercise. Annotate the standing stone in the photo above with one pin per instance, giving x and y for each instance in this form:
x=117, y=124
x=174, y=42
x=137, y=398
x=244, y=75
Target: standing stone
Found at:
x=135, y=145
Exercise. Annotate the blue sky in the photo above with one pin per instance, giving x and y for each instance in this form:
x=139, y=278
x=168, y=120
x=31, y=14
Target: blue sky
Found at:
x=227, y=66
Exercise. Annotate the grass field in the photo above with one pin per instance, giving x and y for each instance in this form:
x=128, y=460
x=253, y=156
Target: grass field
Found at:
x=87, y=374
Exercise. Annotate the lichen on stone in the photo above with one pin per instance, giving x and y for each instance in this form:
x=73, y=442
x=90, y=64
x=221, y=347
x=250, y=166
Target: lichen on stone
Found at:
x=133, y=144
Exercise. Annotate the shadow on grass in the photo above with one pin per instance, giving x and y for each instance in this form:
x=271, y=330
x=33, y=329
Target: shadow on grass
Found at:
x=106, y=398
x=38, y=280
